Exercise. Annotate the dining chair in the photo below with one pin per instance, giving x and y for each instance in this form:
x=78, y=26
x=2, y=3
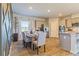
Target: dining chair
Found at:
x=40, y=41
x=26, y=40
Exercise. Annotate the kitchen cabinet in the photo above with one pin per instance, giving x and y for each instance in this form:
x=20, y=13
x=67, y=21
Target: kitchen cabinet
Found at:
x=69, y=41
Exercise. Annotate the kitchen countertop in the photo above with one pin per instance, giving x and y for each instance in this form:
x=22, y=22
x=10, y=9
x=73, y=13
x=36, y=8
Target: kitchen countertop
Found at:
x=70, y=32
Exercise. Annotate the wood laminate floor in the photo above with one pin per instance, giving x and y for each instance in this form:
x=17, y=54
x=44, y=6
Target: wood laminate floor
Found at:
x=52, y=49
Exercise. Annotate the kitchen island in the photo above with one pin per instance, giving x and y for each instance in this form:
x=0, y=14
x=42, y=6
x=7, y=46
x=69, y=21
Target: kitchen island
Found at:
x=69, y=41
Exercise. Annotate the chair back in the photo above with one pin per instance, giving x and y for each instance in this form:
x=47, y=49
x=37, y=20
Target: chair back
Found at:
x=41, y=38
x=23, y=35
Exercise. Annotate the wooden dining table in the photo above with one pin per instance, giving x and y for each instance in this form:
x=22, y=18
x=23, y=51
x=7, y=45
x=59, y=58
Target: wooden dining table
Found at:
x=31, y=37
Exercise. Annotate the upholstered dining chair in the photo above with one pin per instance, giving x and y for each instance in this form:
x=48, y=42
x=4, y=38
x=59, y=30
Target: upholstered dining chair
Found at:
x=40, y=41
x=26, y=40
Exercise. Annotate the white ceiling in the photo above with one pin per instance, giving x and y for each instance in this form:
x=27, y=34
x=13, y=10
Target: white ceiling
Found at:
x=41, y=9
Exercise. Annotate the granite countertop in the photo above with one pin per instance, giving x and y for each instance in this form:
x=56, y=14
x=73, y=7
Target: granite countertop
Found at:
x=70, y=32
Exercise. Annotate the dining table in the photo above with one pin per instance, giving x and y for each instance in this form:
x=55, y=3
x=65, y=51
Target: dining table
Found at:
x=31, y=37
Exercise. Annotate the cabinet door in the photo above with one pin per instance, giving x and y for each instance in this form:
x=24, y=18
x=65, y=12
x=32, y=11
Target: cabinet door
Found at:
x=77, y=36
x=65, y=42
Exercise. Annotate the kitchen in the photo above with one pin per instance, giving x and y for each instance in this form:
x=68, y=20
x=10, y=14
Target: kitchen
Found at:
x=69, y=33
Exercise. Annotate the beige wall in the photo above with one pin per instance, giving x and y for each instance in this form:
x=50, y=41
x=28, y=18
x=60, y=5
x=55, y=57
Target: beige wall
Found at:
x=27, y=18
x=32, y=20
x=53, y=27
x=70, y=19
x=62, y=22
x=52, y=23
x=66, y=22
x=39, y=22
x=75, y=20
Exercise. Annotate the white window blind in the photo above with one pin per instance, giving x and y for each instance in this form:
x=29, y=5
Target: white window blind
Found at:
x=24, y=25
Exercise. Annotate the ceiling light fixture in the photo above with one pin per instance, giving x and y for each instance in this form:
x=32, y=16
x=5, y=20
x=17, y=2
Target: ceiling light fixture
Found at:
x=48, y=10
x=30, y=7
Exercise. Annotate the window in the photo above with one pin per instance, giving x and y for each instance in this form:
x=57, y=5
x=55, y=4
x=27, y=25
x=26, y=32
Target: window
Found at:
x=24, y=26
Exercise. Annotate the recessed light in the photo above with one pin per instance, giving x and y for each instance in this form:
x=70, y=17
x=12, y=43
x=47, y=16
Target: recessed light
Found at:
x=48, y=10
x=30, y=7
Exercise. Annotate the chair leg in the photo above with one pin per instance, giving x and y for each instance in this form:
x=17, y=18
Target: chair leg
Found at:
x=30, y=44
x=37, y=50
x=33, y=47
x=26, y=44
x=23, y=43
x=44, y=48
